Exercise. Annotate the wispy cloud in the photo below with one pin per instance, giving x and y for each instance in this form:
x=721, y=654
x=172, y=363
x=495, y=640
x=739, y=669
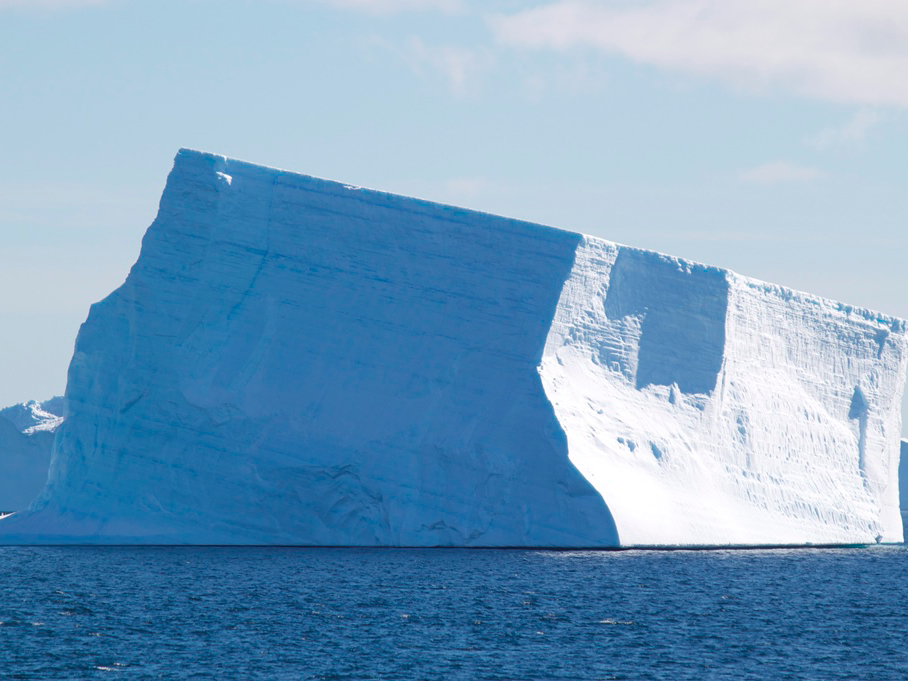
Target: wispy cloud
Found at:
x=459, y=67
x=392, y=6
x=576, y=76
x=838, y=50
x=777, y=172
x=853, y=132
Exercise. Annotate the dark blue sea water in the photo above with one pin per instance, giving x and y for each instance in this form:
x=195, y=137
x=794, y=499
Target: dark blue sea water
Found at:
x=251, y=613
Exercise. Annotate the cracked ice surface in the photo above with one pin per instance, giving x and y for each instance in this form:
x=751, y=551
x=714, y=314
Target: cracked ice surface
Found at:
x=296, y=361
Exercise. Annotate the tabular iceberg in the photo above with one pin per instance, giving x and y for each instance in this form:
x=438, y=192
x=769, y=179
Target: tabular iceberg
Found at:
x=297, y=361
x=26, y=437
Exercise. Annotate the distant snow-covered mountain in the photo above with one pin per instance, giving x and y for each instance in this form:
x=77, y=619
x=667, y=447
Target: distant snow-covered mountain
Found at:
x=26, y=439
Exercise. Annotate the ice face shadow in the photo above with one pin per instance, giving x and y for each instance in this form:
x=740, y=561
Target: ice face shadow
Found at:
x=408, y=353
x=342, y=366
x=903, y=476
x=682, y=308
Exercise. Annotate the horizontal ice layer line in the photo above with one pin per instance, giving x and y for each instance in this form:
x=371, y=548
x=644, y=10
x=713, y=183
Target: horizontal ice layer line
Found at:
x=296, y=361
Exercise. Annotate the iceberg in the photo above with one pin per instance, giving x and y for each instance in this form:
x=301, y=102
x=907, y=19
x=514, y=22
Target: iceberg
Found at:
x=295, y=361
x=26, y=437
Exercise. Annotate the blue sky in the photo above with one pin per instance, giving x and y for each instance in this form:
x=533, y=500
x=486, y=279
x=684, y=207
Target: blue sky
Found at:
x=767, y=136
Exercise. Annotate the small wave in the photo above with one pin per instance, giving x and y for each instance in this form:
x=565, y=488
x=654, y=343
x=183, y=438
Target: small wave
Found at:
x=116, y=667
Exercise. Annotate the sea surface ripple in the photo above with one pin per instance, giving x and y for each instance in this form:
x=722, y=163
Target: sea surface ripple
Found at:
x=283, y=613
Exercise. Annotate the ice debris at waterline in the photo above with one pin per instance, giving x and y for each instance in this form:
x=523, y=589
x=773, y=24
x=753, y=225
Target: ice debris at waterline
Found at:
x=26, y=437
x=297, y=361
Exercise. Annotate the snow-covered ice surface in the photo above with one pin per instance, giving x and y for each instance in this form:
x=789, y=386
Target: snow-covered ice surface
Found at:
x=711, y=409
x=26, y=438
x=297, y=361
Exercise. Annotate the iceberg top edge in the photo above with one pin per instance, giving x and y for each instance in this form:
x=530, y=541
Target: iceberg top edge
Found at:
x=221, y=163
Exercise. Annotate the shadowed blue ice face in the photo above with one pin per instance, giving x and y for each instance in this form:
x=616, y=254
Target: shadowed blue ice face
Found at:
x=903, y=476
x=682, y=308
x=301, y=362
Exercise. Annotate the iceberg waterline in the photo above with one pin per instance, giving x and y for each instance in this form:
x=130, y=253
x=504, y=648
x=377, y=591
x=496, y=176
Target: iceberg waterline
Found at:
x=297, y=361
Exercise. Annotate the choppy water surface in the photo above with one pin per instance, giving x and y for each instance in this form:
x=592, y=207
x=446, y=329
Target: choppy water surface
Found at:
x=249, y=613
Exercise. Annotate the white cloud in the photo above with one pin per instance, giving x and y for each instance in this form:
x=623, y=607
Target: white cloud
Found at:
x=392, y=6
x=459, y=67
x=853, y=132
x=777, y=172
x=575, y=76
x=852, y=51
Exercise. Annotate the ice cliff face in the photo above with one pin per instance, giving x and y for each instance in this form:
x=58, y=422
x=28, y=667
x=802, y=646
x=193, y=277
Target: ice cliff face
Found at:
x=295, y=361
x=26, y=437
x=903, y=476
x=720, y=409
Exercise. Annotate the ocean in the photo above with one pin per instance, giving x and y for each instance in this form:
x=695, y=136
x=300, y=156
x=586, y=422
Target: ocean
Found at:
x=286, y=613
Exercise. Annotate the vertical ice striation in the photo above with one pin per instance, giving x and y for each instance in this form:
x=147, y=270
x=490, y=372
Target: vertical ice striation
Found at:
x=296, y=361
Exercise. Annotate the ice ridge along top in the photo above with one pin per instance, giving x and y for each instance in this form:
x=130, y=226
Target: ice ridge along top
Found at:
x=297, y=361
